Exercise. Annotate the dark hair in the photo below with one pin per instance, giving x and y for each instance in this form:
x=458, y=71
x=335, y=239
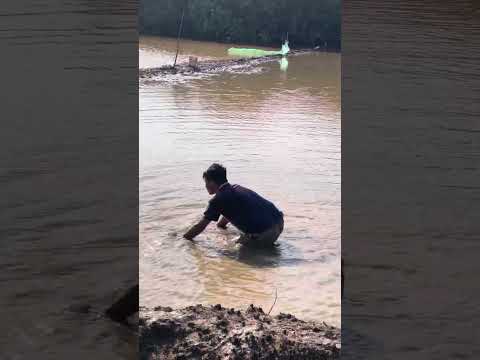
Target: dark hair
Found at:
x=216, y=173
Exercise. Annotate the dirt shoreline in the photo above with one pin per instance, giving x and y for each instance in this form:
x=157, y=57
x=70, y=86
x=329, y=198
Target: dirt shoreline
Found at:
x=215, y=66
x=214, y=333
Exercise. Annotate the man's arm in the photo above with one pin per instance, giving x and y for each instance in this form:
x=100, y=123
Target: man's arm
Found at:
x=196, y=229
x=222, y=223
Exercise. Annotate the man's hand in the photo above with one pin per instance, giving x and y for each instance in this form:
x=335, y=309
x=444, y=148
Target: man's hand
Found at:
x=196, y=229
x=222, y=223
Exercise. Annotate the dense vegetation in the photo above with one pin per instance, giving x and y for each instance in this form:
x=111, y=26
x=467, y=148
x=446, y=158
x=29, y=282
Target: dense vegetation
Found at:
x=263, y=22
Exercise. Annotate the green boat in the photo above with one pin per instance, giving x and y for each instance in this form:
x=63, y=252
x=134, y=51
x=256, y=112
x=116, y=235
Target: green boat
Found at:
x=258, y=52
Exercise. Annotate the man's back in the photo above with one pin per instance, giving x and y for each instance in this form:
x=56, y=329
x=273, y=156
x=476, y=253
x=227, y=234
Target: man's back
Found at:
x=244, y=208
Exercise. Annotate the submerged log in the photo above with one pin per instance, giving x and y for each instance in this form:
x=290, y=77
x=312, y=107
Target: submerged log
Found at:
x=193, y=62
x=213, y=66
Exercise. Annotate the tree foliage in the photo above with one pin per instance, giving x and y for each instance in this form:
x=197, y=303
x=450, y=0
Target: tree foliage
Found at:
x=262, y=22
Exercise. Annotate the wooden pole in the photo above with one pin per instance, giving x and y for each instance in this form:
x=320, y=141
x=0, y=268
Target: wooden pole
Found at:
x=178, y=37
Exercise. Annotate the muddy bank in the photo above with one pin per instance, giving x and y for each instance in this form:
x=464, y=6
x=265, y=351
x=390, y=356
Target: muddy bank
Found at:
x=215, y=66
x=215, y=332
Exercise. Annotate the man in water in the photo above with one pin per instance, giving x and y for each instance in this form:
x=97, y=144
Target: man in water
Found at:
x=260, y=222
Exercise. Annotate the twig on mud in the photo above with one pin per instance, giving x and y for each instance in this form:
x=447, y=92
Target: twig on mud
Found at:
x=273, y=302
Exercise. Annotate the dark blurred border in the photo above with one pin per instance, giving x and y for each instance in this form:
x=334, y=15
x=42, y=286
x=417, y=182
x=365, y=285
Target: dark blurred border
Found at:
x=69, y=176
x=410, y=179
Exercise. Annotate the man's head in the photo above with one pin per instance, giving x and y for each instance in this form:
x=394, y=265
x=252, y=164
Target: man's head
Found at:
x=215, y=176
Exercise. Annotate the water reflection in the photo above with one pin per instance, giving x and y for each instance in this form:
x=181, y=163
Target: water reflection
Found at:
x=233, y=281
x=241, y=92
x=284, y=64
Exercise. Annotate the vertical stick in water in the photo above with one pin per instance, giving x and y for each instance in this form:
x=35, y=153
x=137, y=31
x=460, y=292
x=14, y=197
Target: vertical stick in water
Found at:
x=179, y=34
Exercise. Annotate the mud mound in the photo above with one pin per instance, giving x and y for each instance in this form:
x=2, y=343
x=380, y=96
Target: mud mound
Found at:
x=214, y=333
x=207, y=67
x=214, y=66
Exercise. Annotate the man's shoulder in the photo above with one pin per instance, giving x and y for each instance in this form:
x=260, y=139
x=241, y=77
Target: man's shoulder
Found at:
x=215, y=198
x=225, y=195
x=238, y=187
x=219, y=196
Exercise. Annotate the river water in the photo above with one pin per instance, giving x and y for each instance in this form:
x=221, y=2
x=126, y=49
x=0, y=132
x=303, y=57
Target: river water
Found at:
x=410, y=86
x=69, y=240
x=277, y=130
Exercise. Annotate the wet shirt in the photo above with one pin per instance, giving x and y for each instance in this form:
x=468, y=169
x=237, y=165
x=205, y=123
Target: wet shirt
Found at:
x=244, y=208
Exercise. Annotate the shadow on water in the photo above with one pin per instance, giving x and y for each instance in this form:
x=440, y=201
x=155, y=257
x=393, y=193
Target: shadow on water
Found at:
x=278, y=256
x=222, y=245
x=271, y=257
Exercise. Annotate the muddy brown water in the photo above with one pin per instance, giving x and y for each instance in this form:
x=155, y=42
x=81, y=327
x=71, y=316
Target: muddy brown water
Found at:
x=66, y=68
x=410, y=86
x=277, y=130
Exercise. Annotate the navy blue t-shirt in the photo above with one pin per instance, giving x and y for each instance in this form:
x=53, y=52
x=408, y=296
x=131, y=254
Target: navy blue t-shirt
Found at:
x=244, y=208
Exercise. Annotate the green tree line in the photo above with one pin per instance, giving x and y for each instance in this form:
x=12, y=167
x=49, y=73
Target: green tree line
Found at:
x=309, y=23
